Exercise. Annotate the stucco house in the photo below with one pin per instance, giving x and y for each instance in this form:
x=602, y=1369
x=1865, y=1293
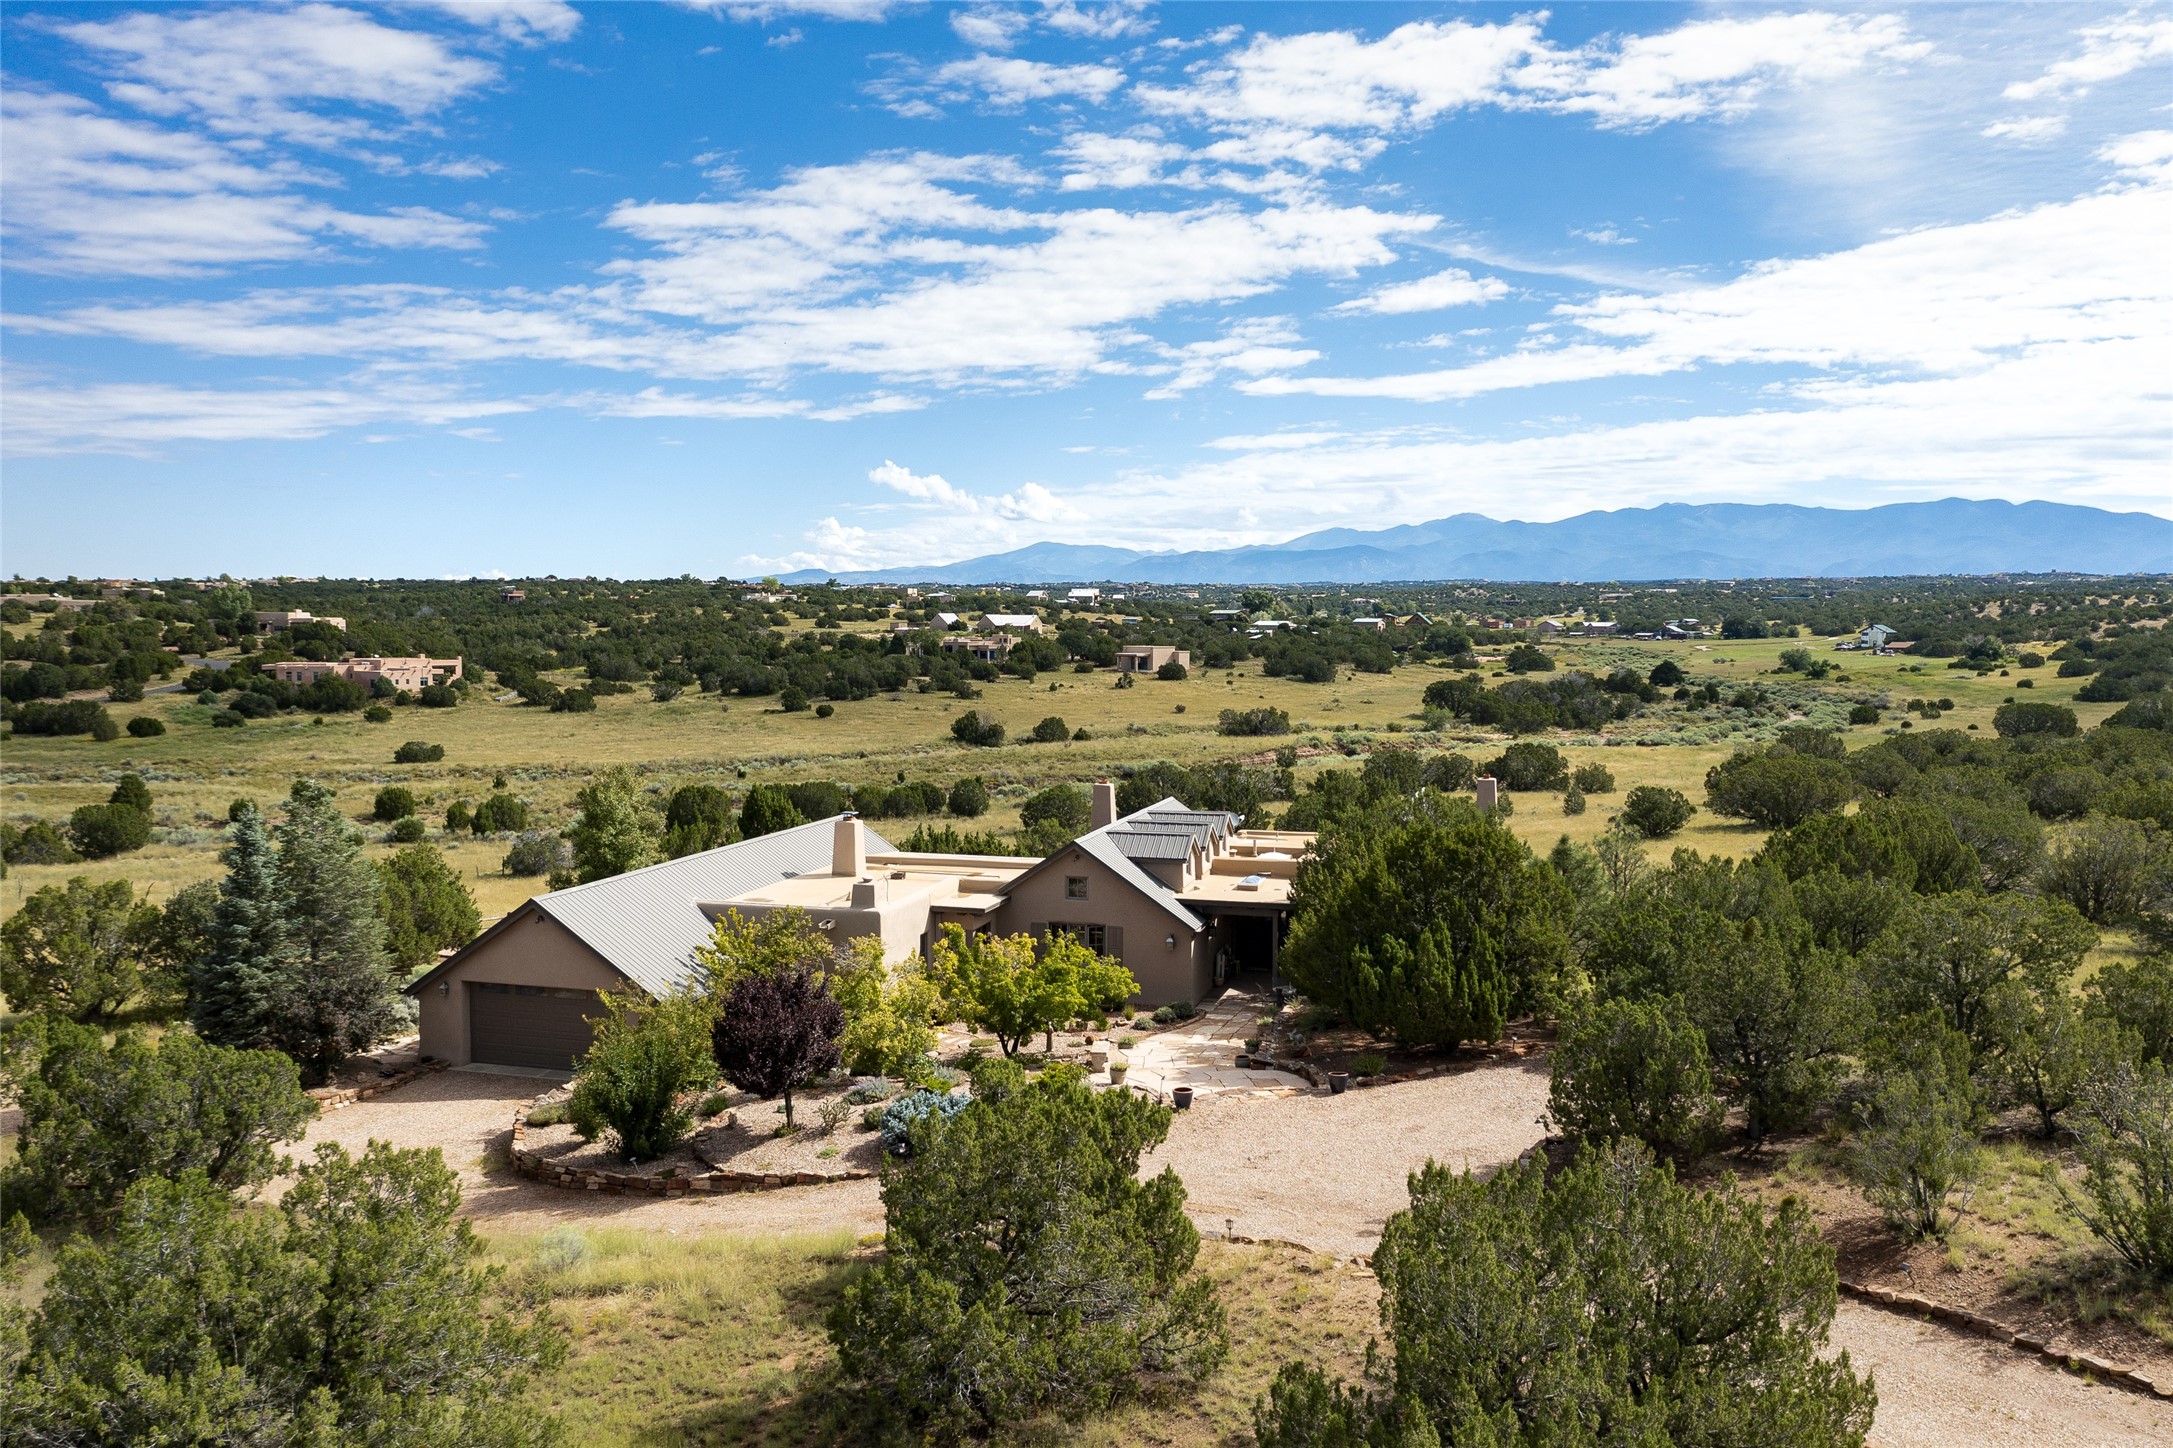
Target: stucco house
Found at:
x=1184, y=898
x=1146, y=658
x=272, y=621
x=409, y=675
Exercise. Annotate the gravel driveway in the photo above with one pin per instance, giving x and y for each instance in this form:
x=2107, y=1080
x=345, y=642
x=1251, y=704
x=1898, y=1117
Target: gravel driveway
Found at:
x=1328, y=1170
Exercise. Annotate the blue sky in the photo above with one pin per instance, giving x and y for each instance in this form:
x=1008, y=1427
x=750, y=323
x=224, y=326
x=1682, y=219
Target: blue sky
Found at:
x=636, y=290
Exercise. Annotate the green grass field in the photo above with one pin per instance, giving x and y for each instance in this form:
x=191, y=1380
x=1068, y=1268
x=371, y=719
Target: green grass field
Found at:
x=195, y=770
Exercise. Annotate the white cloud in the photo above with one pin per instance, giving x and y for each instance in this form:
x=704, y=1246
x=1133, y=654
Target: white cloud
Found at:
x=1604, y=236
x=143, y=419
x=2109, y=51
x=92, y=193
x=991, y=27
x=1113, y=21
x=1944, y=300
x=2028, y=131
x=765, y=10
x=527, y=21
x=1451, y=288
x=251, y=71
x=1010, y=81
x=1254, y=347
x=2147, y=155
x=1030, y=502
x=929, y=489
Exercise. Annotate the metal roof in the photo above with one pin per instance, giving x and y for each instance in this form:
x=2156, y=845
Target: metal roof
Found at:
x=1151, y=844
x=647, y=922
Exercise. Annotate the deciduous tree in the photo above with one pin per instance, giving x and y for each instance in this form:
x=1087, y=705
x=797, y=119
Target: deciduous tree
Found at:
x=617, y=829
x=777, y=1031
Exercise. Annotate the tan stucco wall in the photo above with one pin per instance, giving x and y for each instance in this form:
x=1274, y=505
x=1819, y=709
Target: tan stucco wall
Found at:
x=536, y=950
x=1164, y=975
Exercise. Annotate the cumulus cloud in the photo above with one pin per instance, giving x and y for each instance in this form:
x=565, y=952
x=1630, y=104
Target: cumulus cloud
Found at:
x=1010, y=82
x=1029, y=503
x=527, y=21
x=1451, y=288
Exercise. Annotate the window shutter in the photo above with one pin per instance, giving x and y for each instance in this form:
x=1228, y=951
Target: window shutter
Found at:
x=1116, y=943
x=1039, y=930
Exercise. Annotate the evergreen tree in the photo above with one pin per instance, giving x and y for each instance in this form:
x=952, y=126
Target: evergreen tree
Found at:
x=232, y=985
x=337, y=996
x=426, y=906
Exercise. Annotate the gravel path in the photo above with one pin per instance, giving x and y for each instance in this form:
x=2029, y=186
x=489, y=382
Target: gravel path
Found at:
x=467, y=1113
x=1328, y=1170
x=1939, y=1387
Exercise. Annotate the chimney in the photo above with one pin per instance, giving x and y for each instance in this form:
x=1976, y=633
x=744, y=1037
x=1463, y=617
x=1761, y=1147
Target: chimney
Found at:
x=1485, y=792
x=1105, y=805
x=849, y=848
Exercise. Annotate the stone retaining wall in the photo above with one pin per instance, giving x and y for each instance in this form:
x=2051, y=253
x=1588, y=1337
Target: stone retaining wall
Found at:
x=628, y=1184
x=1319, y=1078
x=2057, y=1353
x=330, y=1099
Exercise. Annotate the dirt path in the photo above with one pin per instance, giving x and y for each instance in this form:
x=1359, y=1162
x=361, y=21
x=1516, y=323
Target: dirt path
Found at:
x=468, y=1113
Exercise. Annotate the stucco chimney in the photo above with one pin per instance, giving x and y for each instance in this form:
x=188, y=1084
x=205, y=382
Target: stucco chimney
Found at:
x=1105, y=805
x=1485, y=792
x=849, y=848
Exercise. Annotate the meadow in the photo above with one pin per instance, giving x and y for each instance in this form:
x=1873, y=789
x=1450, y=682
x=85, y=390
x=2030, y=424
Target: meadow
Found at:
x=196, y=771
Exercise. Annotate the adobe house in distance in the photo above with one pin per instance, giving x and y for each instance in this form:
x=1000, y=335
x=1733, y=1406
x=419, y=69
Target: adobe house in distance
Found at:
x=1186, y=899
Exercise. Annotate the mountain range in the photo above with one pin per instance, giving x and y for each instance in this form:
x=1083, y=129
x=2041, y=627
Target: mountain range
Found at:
x=1672, y=541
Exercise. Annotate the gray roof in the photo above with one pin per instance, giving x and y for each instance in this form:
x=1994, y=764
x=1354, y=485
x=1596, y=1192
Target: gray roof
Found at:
x=1104, y=847
x=1151, y=844
x=647, y=922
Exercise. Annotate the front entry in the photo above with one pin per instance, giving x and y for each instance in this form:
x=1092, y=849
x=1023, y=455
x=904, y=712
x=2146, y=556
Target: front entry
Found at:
x=529, y=1025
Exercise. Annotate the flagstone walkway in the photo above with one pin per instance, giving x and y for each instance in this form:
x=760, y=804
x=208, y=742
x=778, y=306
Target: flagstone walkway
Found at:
x=1202, y=1053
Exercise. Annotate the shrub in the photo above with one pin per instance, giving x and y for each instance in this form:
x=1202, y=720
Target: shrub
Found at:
x=36, y=843
x=75, y=716
x=1863, y=714
x=575, y=701
x=1656, y=813
x=228, y=719
x=394, y=802
x=97, y=1118
x=1778, y=789
x=1051, y=730
x=1573, y=801
x=972, y=728
x=1527, y=765
x=377, y=714
x=499, y=814
x=1368, y=1064
x=1252, y=722
x=968, y=799
x=437, y=696
x=2021, y=721
x=1171, y=672
x=1610, y=1285
x=1026, y=1198
x=1637, y=1069
x=2127, y=1151
x=79, y=950
x=143, y=726
x=2105, y=868
x=698, y=818
x=2029, y=660
x=1593, y=778
x=825, y=711
x=417, y=752
x=1666, y=674
x=408, y=831
x=536, y=853
x=767, y=809
x=100, y=831
x=627, y=1085
x=1524, y=659
x=897, y=1120
x=792, y=699
x=1062, y=806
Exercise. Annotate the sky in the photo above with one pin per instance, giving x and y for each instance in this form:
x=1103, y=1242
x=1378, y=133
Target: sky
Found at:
x=518, y=287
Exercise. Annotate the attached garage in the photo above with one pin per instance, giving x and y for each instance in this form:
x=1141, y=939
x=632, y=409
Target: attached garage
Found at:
x=529, y=1025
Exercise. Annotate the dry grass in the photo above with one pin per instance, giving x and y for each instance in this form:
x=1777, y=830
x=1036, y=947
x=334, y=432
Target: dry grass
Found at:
x=718, y=1339
x=196, y=771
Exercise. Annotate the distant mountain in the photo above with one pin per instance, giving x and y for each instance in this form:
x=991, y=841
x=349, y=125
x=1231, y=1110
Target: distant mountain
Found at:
x=1674, y=540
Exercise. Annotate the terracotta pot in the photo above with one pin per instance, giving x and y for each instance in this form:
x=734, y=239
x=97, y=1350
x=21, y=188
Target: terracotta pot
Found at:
x=1181, y=1097
x=1338, y=1082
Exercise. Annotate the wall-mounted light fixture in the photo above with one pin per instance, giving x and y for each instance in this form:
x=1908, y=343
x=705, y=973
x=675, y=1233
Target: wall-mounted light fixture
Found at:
x=445, y=987
x=1170, y=941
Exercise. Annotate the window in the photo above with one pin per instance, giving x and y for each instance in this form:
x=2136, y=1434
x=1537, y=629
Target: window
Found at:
x=1093, y=937
x=1075, y=887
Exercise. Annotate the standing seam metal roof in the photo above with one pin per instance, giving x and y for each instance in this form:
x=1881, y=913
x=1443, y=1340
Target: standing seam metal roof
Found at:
x=647, y=922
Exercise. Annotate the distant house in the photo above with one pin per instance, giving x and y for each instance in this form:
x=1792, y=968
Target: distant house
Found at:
x=1012, y=622
x=1875, y=638
x=988, y=648
x=1599, y=626
x=1147, y=658
x=513, y=595
x=1269, y=625
x=1083, y=595
x=1376, y=624
x=948, y=620
x=273, y=621
x=1550, y=626
x=409, y=676
x=1227, y=615
x=1037, y=593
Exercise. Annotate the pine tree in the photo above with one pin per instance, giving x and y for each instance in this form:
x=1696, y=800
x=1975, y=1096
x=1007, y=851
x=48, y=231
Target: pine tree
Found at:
x=232, y=985
x=338, y=996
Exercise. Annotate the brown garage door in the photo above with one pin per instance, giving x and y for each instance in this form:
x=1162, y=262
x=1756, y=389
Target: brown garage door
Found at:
x=528, y=1025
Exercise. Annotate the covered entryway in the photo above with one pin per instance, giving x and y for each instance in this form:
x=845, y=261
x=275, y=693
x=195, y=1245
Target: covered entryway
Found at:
x=529, y=1025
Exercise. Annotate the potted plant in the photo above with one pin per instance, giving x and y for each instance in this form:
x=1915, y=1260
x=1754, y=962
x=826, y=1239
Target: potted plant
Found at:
x=1338, y=1082
x=1181, y=1097
x=1118, y=1066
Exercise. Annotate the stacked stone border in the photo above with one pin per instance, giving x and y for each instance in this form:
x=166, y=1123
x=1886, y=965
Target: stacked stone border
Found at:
x=1507, y=1051
x=329, y=1099
x=2096, y=1369
x=626, y=1184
